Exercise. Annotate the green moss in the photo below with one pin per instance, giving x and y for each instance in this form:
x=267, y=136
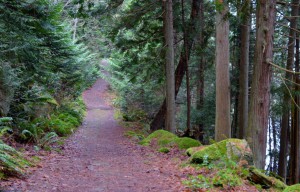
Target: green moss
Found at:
x=292, y=188
x=192, y=150
x=164, y=150
x=166, y=139
x=186, y=142
x=162, y=137
x=211, y=153
x=214, y=152
x=266, y=181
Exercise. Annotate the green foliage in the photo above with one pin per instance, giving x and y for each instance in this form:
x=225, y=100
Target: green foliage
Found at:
x=136, y=63
x=292, y=188
x=40, y=63
x=45, y=130
x=12, y=163
x=227, y=178
x=4, y=125
x=198, y=182
x=224, y=178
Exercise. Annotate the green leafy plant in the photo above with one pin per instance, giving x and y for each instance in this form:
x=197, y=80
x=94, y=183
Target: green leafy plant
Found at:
x=12, y=162
x=198, y=182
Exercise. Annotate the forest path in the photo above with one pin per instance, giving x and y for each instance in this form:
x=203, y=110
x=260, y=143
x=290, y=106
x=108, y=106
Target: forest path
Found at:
x=97, y=157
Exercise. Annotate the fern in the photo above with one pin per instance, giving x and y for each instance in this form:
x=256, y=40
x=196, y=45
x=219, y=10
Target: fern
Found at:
x=48, y=139
x=12, y=162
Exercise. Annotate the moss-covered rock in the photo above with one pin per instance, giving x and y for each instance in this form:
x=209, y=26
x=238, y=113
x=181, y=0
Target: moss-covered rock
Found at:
x=162, y=137
x=292, y=188
x=190, y=151
x=186, y=142
x=234, y=149
x=166, y=139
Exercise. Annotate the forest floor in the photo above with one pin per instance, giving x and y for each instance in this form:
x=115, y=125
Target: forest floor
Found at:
x=98, y=157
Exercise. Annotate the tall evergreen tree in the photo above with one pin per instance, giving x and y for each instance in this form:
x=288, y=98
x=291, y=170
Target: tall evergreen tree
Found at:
x=170, y=67
x=223, y=128
x=260, y=87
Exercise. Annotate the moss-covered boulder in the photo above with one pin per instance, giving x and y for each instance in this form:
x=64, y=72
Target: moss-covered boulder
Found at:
x=190, y=151
x=161, y=137
x=234, y=149
x=166, y=139
x=292, y=188
x=186, y=142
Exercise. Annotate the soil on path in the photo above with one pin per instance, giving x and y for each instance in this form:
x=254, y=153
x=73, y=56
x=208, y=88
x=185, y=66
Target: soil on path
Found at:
x=99, y=158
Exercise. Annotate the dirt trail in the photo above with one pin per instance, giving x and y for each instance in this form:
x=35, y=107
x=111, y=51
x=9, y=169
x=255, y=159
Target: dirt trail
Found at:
x=99, y=158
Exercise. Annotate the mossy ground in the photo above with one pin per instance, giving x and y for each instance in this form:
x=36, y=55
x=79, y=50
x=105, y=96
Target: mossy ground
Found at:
x=292, y=188
x=220, y=169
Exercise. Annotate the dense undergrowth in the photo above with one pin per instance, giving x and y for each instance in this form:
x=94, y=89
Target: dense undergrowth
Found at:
x=41, y=132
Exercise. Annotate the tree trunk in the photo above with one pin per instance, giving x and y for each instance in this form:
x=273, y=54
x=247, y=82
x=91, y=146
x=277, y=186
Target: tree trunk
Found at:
x=200, y=84
x=286, y=97
x=222, y=125
x=160, y=117
x=188, y=91
x=244, y=70
x=295, y=130
x=170, y=68
x=260, y=89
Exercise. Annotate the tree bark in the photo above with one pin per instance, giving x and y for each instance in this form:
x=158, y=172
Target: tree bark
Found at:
x=295, y=130
x=170, y=68
x=158, y=121
x=261, y=80
x=244, y=70
x=286, y=97
x=188, y=91
x=200, y=84
x=222, y=125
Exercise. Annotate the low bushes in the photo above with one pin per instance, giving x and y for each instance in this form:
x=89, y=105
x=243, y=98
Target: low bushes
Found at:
x=63, y=122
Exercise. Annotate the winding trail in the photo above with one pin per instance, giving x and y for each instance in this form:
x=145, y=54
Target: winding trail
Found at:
x=99, y=158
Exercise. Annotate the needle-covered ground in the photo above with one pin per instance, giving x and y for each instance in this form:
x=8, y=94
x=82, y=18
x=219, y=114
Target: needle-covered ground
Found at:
x=99, y=158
